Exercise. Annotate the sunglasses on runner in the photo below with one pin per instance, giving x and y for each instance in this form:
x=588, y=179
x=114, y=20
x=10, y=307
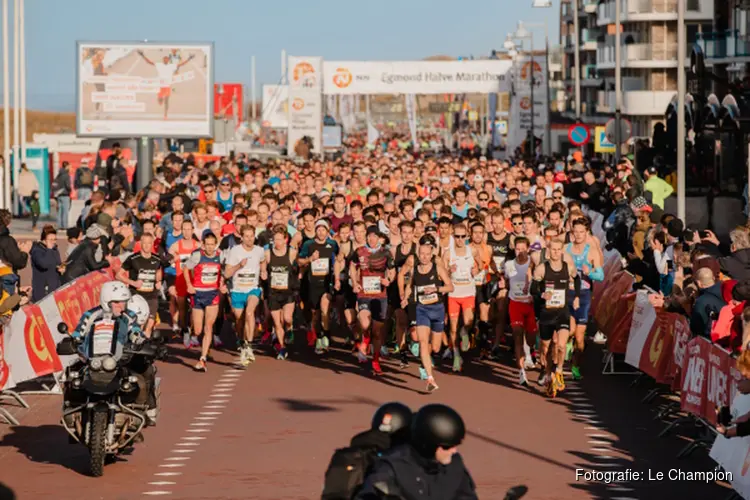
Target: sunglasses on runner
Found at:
x=460, y=236
x=484, y=199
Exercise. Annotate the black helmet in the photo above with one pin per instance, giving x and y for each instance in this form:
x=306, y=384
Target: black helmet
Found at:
x=436, y=426
x=395, y=419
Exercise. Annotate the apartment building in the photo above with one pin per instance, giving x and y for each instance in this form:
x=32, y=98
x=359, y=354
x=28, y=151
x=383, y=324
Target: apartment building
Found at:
x=727, y=46
x=648, y=55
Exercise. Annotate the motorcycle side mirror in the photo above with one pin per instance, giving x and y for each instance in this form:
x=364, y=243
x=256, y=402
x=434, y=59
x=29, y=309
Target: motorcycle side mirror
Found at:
x=66, y=346
x=62, y=328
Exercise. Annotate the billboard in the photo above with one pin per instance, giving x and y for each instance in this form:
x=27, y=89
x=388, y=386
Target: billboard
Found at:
x=305, y=102
x=228, y=101
x=144, y=89
x=275, y=112
x=415, y=77
x=521, y=104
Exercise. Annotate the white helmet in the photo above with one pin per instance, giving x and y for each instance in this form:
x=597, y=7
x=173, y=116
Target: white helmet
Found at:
x=113, y=291
x=138, y=306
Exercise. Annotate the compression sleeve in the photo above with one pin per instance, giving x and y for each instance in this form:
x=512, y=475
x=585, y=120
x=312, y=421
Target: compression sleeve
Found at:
x=597, y=274
x=538, y=287
x=577, y=285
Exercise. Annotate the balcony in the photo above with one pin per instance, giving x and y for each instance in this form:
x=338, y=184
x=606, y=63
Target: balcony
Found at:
x=639, y=55
x=725, y=47
x=567, y=11
x=589, y=6
x=636, y=102
x=589, y=38
x=654, y=10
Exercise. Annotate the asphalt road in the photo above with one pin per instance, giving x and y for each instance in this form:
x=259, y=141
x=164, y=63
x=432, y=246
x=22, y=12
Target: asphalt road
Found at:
x=268, y=432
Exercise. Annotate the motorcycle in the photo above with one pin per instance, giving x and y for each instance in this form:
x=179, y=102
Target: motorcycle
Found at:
x=100, y=407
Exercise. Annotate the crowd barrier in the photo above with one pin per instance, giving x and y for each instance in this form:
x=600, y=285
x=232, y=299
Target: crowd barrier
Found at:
x=28, y=342
x=660, y=345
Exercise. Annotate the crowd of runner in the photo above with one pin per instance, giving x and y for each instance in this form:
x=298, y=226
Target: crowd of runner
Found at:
x=431, y=260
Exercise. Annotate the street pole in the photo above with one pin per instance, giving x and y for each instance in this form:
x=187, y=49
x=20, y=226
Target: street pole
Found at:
x=283, y=67
x=548, y=127
x=5, y=192
x=16, y=100
x=618, y=90
x=22, y=49
x=681, y=49
x=252, y=87
x=532, y=138
x=577, y=61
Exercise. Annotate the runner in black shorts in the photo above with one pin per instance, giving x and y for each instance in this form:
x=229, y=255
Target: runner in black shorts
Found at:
x=282, y=281
x=344, y=296
x=552, y=282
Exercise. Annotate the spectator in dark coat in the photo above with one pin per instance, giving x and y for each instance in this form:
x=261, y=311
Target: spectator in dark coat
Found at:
x=708, y=304
x=737, y=264
x=12, y=253
x=87, y=257
x=45, y=265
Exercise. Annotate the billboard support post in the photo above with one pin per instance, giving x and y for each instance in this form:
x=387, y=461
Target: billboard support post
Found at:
x=144, y=170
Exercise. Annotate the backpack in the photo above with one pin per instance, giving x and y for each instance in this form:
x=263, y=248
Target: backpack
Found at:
x=87, y=177
x=347, y=472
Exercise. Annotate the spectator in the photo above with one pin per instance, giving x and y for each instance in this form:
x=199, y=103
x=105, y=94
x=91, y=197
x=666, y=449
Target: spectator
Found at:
x=642, y=227
x=593, y=193
x=84, y=181
x=737, y=264
x=12, y=254
x=88, y=256
x=61, y=191
x=27, y=184
x=46, y=265
x=708, y=303
x=117, y=175
x=74, y=238
x=621, y=222
x=727, y=330
x=659, y=188
x=91, y=209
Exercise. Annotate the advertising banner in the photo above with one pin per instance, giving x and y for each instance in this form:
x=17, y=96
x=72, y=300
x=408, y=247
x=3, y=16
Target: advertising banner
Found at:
x=733, y=454
x=644, y=317
x=411, y=116
x=523, y=74
x=229, y=102
x=415, y=77
x=275, y=112
x=305, y=102
x=144, y=89
x=694, y=375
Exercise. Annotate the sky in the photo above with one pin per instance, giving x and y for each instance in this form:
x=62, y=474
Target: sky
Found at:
x=334, y=29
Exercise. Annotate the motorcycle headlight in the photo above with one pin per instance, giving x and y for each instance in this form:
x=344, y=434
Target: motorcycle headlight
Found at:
x=109, y=363
x=96, y=364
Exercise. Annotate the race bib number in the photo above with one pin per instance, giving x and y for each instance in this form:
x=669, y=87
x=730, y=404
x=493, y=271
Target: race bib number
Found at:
x=585, y=285
x=557, y=300
x=517, y=289
x=427, y=295
x=246, y=279
x=371, y=284
x=280, y=281
x=462, y=279
x=499, y=262
x=320, y=267
x=148, y=278
x=480, y=277
x=210, y=275
x=102, y=338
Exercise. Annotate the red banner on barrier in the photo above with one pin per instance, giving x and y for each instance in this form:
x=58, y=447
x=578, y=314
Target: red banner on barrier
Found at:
x=658, y=347
x=617, y=325
x=694, y=374
x=717, y=388
x=40, y=346
x=82, y=295
x=679, y=347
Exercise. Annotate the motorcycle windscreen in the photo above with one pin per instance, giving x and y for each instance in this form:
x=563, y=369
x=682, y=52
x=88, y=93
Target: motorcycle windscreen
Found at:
x=103, y=339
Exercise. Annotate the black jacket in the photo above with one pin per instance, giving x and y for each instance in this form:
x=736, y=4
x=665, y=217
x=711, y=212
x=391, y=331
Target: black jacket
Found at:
x=61, y=185
x=10, y=254
x=44, y=276
x=405, y=474
x=737, y=265
x=82, y=261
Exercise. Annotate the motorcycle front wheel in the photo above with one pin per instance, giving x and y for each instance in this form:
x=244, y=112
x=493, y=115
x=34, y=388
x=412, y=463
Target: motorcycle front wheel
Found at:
x=97, y=443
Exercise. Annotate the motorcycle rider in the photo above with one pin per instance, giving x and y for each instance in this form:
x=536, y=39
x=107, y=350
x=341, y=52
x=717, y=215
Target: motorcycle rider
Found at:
x=113, y=317
x=429, y=466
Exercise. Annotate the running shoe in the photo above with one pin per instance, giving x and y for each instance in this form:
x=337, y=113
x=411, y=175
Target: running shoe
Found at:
x=569, y=350
x=422, y=373
x=319, y=346
x=361, y=357
x=282, y=354
x=242, y=360
x=376, y=370
x=576, y=371
x=600, y=338
x=194, y=342
x=543, y=380
x=266, y=338
x=495, y=353
x=200, y=366
x=559, y=381
x=384, y=351
x=311, y=338
x=217, y=342
x=522, y=380
x=250, y=354
x=404, y=359
x=431, y=385
x=447, y=354
x=458, y=363
x=325, y=342
x=552, y=387
x=396, y=349
x=529, y=363
x=414, y=348
x=186, y=339
x=465, y=340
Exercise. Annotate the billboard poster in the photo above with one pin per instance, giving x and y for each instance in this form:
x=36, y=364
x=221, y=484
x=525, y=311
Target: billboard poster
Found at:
x=144, y=89
x=275, y=113
x=305, y=102
x=229, y=101
x=521, y=100
x=415, y=77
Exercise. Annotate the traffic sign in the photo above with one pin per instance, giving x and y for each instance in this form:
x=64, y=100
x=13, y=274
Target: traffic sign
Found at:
x=601, y=144
x=578, y=135
x=626, y=130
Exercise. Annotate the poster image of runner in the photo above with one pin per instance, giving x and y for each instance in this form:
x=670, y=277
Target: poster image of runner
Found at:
x=145, y=90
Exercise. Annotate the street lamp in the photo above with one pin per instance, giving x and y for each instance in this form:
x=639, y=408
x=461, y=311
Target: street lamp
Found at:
x=521, y=34
x=545, y=4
